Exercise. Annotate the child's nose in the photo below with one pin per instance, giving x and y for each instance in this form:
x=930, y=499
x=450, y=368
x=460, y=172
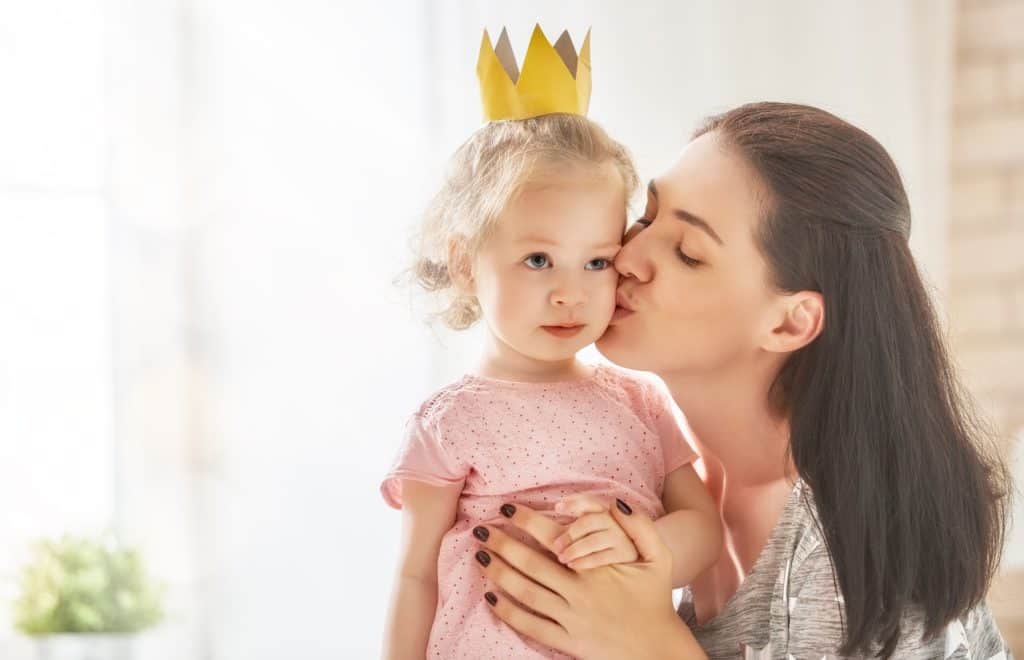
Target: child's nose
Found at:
x=567, y=296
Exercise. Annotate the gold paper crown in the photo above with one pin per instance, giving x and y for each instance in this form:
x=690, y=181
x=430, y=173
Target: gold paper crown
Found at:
x=553, y=79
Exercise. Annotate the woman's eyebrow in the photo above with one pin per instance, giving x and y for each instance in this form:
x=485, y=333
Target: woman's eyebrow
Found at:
x=686, y=216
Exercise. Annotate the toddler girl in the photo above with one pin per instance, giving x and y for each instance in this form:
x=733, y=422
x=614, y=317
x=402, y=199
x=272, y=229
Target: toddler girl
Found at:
x=522, y=235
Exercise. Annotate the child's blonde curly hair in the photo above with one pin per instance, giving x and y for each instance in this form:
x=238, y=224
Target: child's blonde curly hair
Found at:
x=485, y=175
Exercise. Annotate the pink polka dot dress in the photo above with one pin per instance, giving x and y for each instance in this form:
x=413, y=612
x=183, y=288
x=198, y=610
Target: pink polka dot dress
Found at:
x=610, y=435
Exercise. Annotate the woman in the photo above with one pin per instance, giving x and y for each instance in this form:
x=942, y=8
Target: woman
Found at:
x=771, y=286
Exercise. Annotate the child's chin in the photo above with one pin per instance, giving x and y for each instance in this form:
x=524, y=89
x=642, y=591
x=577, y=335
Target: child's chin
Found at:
x=558, y=354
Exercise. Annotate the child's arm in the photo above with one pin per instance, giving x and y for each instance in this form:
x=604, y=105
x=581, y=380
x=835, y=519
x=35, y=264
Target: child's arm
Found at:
x=428, y=512
x=691, y=526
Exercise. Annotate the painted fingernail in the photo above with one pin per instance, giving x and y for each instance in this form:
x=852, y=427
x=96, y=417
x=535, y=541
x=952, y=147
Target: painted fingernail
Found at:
x=508, y=510
x=481, y=533
x=623, y=507
x=491, y=598
x=483, y=558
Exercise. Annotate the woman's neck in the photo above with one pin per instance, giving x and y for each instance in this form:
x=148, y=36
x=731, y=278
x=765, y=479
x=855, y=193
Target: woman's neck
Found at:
x=744, y=451
x=743, y=444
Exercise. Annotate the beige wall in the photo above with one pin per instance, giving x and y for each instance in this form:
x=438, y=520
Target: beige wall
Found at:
x=986, y=293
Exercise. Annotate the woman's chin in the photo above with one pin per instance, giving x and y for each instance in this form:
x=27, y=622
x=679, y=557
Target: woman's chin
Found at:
x=615, y=346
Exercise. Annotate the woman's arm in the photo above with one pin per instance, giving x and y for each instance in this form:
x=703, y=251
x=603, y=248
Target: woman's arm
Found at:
x=691, y=526
x=428, y=512
x=617, y=611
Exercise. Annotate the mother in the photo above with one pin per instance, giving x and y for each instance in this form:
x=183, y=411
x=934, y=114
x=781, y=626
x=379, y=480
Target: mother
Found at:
x=770, y=284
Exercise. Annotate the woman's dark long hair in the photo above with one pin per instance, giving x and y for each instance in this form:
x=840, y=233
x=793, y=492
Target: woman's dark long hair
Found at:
x=911, y=495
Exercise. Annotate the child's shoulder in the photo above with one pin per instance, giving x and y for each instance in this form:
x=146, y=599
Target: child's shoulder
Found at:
x=643, y=390
x=456, y=399
x=633, y=381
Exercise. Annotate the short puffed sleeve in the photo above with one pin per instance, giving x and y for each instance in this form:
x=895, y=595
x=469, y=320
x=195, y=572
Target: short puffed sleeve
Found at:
x=424, y=457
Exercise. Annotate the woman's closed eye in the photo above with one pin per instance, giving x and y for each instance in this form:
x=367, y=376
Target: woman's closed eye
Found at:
x=643, y=223
x=687, y=259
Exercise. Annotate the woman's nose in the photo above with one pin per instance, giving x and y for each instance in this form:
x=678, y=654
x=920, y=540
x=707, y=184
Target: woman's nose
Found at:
x=631, y=261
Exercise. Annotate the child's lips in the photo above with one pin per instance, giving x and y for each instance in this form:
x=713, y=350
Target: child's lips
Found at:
x=563, y=331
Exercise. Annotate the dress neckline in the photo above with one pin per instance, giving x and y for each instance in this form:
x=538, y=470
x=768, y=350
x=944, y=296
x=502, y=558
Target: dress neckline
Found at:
x=792, y=501
x=595, y=371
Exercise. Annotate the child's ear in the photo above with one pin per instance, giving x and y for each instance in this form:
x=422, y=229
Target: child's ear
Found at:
x=460, y=268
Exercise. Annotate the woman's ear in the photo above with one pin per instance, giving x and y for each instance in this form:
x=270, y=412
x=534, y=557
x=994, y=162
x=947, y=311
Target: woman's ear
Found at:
x=801, y=319
x=460, y=267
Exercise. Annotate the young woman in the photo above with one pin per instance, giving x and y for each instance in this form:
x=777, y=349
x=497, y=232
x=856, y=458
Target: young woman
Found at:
x=771, y=286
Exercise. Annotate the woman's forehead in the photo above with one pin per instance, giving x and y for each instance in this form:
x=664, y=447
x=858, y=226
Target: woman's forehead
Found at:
x=712, y=182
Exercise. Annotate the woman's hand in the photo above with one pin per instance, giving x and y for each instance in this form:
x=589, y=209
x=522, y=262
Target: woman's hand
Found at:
x=595, y=538
x=617, y=611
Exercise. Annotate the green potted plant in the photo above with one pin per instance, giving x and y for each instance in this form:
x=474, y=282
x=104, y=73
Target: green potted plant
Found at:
x=85, y=598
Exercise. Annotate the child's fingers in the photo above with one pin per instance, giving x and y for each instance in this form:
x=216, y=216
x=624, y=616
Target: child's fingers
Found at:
x=604, y=558
x=588, y=524
x=595, y=542
x=580, y=504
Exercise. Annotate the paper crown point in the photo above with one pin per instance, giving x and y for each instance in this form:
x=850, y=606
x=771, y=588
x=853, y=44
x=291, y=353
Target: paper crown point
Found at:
x=553, y=78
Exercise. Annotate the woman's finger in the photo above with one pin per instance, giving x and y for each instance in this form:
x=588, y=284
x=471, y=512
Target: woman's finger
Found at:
x=540, y=568
x=641, y=530
x=588, y=524
x=531, y=625
x=541, y=527
x=590, y=544
x=527, y=592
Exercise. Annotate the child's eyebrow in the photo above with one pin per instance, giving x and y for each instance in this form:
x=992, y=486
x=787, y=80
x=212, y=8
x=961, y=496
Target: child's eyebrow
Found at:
x=547, y=241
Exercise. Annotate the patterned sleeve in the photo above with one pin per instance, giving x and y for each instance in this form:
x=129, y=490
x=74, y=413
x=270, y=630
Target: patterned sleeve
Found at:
x=422, y=457
x=676, y=450
x=815, y=623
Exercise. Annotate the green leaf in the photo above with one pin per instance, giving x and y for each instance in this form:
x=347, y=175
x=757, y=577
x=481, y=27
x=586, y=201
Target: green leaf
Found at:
x=80, y=584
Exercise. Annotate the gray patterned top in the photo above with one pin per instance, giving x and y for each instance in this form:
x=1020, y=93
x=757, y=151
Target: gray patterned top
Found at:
x=789, y=606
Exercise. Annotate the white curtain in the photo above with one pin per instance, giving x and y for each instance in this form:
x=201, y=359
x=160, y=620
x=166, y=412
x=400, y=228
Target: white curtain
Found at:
x=266, y=164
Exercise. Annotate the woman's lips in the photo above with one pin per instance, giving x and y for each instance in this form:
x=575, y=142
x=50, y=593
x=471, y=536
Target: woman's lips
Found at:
x=621, y=313
x=563, y=331
x=622, y=307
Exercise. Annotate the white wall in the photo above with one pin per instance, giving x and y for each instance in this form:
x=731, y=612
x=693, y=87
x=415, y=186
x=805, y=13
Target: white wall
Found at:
x=56, y=395
x=266, y=162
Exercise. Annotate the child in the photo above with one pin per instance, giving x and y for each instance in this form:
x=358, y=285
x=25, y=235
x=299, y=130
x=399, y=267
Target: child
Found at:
x=523, y=235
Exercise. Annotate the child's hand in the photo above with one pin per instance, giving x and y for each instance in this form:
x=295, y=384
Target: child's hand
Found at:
x=595, y=539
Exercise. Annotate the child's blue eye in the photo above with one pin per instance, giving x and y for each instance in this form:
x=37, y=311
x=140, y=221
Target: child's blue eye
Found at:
x=597, y=264
x=537, y=261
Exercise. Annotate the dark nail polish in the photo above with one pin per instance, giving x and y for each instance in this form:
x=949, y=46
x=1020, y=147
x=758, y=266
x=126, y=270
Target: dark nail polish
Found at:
x=508, y=510
x=481, y=533
x=483, y=558
x=623, y=507
x=491, y=598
